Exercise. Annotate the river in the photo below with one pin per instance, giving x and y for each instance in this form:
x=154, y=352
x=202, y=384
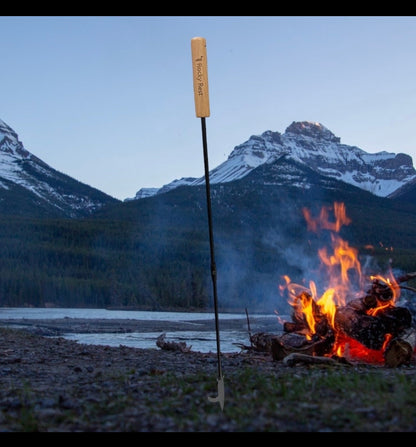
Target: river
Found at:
x=198, y=341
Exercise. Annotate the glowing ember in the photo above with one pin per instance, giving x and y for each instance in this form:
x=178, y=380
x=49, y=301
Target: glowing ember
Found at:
x=351, y=349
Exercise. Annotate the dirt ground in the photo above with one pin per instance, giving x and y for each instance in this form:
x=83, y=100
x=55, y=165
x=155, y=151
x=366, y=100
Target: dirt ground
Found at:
x=51, y=384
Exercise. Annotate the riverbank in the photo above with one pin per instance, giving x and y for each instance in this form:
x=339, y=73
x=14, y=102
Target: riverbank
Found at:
x=60, y=326
x=50, y=384
x=54, y=384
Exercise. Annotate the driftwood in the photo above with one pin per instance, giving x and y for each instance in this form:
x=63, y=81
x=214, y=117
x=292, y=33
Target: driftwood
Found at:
x=248, y=328
x=261, y=341
x=171, y=345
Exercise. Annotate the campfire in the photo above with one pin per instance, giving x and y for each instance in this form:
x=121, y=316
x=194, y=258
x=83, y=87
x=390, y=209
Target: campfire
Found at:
x=349, y=321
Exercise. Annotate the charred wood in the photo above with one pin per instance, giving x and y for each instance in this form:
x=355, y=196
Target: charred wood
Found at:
x=368, y=330
x=299, y=322
x=372, y=320
x=406, y=277
x=295, y=343
x=371, y=330
x=381, y=291
x=363, y=304
x=398, y=352
x=396, y=319
x=261, y=341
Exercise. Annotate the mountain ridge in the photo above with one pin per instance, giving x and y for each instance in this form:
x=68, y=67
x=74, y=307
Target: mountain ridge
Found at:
x=311, y=143
x=29, y=185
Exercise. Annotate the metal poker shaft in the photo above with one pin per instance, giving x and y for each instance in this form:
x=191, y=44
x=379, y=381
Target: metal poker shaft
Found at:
x=211, y=241
x=200, y=79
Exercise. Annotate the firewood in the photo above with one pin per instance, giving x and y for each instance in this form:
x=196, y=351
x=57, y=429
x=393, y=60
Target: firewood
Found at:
x=381, y=291
x=370, y=320
x=366, y=329
x=299, y=323
x=299, y=327
x=406, y=277
x=296, y=343
x=364, y=303
x=371, y=330
x=261, y=341
x=396, y=319
x=398, y=352
x=409, y=335
x=280, y=350
x=279, y=346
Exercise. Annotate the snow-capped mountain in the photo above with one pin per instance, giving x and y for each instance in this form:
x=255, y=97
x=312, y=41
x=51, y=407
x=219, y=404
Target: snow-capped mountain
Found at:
x=313, y=145
x=148, y=192
x=29, y=185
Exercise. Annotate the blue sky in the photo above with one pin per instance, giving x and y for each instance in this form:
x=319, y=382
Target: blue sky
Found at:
x=109, y=100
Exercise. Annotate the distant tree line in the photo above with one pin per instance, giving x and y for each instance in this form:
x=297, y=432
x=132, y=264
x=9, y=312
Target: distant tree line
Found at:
x=73, y=263
x=154, y=253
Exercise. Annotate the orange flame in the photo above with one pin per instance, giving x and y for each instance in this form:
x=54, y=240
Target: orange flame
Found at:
x=394, y=288
x=323, y=220
x=340, y=265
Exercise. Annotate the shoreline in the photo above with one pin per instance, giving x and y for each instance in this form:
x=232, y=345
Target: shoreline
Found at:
x=191, y=310
x=60, y=326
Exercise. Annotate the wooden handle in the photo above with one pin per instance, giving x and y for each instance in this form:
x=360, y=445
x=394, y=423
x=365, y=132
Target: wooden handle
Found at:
x=200, y=72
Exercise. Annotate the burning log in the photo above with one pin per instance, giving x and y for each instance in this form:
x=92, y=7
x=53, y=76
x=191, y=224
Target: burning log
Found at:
x=371, y=326
x=300, y=324
x=371, y=330
x=384, y=336
x=371, y=318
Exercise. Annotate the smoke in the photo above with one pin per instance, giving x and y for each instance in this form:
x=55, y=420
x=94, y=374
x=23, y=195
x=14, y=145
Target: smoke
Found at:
x=251, y=264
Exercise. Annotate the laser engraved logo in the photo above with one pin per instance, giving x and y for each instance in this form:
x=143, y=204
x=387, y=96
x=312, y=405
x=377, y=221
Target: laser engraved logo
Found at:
x=200, y=76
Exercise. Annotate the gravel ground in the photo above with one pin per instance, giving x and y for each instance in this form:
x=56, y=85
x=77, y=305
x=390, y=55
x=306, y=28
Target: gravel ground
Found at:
x=54, y=384
x=50, y=384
